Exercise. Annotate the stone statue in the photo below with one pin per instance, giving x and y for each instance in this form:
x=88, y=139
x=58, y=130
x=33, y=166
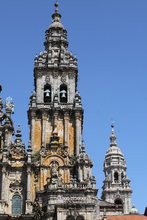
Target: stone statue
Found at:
x=54, y=169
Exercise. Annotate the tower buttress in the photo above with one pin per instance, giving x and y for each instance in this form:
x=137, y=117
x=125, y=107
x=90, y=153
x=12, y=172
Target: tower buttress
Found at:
x=116, y=187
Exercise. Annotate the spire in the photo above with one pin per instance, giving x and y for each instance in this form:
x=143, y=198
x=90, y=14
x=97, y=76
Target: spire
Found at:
x=18, y=148
x=18, y=133
x=56, y=46
x=113, y=137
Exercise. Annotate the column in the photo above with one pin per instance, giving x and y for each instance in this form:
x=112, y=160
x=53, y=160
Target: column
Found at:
x=80, y=176
x=66, y=133
x=32, y=129
x=78, y=131
x=29, y=184
x=28, y=200
x=44, y=118
x=3, y=183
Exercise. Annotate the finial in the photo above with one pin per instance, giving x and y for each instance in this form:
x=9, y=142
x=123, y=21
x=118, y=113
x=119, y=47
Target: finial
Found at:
x=9, y=106
x=56, y=6
x=112, y=126
x=18, y=133
x=113, y=137
x=29, y=147
x=83, y=146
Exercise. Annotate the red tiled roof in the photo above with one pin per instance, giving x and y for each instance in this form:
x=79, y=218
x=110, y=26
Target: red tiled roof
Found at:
x=127, y=217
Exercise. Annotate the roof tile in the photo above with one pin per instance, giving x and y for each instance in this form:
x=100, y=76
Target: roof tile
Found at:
x=127, y=217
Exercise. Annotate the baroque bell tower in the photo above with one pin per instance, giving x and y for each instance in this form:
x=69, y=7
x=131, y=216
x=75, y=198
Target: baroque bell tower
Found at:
x=61, y=180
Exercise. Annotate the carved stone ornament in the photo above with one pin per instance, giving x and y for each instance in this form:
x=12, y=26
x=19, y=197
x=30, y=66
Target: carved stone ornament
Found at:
x=63, y=152
x=15, y=182
x=39, y=74
x=47, y=79
x=17, y=189
x=63, y=78
x=71, y=75
x=37, y=210
x=1, y=115
x=43, y=152
x=55, y=75
x=17, y=150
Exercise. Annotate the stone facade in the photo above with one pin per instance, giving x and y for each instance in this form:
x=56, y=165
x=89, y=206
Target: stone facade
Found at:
x=53, y=179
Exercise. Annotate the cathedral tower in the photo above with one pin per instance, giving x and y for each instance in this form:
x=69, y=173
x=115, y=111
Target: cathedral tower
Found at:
x=61, y=173
x=116, y=188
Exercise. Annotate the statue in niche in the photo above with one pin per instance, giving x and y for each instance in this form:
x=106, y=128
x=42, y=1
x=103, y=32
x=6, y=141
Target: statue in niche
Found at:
x=54, y=169
x=60, y=180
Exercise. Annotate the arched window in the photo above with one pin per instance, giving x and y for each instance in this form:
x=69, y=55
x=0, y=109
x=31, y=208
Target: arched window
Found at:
x=70, y=217
x=16, y=205
x=116, y=177
x=80, y=218
x=63, y=93
x=118, y=202
x=47, y=93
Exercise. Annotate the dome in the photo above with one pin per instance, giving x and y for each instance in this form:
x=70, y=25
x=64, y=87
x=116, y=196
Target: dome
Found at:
x=114, y=150
x=134, y=210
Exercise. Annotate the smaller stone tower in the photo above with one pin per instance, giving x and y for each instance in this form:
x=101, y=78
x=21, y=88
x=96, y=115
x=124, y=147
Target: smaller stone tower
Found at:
x=116, y=188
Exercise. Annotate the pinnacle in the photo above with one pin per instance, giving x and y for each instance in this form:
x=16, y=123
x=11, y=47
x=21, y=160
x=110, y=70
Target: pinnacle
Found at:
x=18, y=133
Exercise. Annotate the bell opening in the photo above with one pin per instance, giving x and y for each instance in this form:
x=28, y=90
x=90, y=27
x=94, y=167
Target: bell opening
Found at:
x=47, y=93
x=63, y=93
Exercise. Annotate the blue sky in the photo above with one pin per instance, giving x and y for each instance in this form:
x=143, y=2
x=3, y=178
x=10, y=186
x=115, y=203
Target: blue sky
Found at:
x=109, y=38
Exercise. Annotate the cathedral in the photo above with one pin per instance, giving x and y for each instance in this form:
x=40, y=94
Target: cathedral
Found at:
x=52, y=179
